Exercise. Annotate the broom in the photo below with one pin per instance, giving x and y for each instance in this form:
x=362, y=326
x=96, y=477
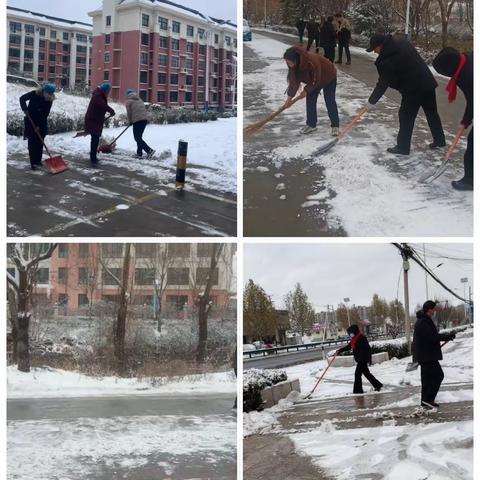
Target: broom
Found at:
x=256, y=127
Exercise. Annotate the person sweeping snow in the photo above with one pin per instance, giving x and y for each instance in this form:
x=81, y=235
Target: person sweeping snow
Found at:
x=362, y=353
x=95, y=117
x=36, y=112
x=427, y=352
x=459, y=66
x=137, y=116
x=317, y=73
x=400, y=67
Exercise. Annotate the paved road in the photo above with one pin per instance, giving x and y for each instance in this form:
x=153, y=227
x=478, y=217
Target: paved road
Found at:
x=113, y=202
x=135, y=438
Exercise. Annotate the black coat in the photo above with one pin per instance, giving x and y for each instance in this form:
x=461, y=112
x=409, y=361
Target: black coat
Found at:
x=362, y=353
x=328, y=36
x=313, y=29
x=426, y=340
x=38, y=108
x=301, y=24
x=400, y=67
x=465, y=82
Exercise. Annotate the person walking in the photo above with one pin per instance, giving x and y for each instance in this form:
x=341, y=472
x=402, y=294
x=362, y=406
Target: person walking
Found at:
x=36, y=106
x=427, y=352
x=400, y=67
x=459, y=67
x=137, y=116
x=313, y=34
x=317, y=73
x=362, y=353
x=95, y=117
x=328, y=39
x=344, y=33
x=301, y=24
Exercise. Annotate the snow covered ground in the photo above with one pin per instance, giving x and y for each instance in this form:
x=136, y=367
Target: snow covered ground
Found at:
x=53, y=383
x=367, y=191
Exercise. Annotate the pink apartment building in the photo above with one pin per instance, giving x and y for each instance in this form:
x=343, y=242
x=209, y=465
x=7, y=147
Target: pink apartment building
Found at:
x=172, y=55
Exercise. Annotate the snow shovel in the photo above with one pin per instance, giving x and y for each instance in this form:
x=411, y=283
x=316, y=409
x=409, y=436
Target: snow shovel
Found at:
x=83, y=133
x=325, y=148
x=430, y=177
x=256, y=127
x=414, y=365
x=54, y=164
x=110, y=147
x=323, y=374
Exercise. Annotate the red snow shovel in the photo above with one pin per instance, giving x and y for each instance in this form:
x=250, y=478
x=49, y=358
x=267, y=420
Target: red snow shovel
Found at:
x=110, y=147
x=323, y=374
x=54, y=164
x=325, y=148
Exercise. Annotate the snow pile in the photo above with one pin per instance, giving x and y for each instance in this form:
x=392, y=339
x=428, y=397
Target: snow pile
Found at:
x=259, y=422
x=53, y=383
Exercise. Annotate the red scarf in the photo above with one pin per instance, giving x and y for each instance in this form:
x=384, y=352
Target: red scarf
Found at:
x=452, y=84
x=355, y=340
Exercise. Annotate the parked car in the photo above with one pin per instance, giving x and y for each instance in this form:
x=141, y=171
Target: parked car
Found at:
x=247, y=33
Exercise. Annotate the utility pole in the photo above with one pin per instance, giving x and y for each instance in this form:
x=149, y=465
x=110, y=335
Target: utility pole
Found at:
x=265, y=15
x=406, y=267
x=426, y=276
x=407, y=19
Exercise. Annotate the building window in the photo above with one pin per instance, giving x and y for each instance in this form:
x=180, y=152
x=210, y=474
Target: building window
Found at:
x=81, y=38
x=143, y=95
x=201, y=81
x=177, y=276
x=52, y=57
x=41, y=31
x=41, y=69
x=66, y=48
x=163, y=42
x=106, y=75
x=189, y=63
x=112, y=250
x=161, y=97
x=178, y=250
x=28, y=54
x=145, y=20
x=62, y=300
x=43, y=275
x=144, y=276
x=202, y=274
x=53, y=45
x=188, y=97
x=145, y=250
x=177, y=302
x=202, y=50
x=215, y=67
x=109, y=276
x=41, y=55
x=107, y=57
x=83, y=250
x=66, y=36
x=16, y=39
x=53, y=34
x=163, y=60
x=42, y=43
x=174, y=78
x=189, y=80
x=189, y=47
x=228, y=41
x=144, y=58
x=83, y=300
x=28, y=67
x=83, y=276
x=190, y=31
x=175, y=44
x=201, y=33
x=29, y=28
x=175, y=26
x=14, y=52
x=175, y=62
x=235, y=42
x=80, y=60
x=162, y=78
x=29, y=41
x=163, y=22
x=216, y=38
x=201, y=66
x=145, y=39
x=108, y=20
x=15, y=27
x=204, y=250
x=174, y=97
x=143, y=77
x=107, y=39
x=63, y=250
x=63, y=275
x=81, y=49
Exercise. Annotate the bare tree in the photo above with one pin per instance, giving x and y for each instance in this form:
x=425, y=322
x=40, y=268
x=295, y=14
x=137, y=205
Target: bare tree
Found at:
x=446, y=7
x=26, y=258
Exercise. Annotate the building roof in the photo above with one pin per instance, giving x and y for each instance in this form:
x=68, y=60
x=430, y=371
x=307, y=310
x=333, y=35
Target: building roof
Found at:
x=35, y=16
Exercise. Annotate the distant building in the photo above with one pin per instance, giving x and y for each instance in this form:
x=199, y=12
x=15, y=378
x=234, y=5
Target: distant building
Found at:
x=170, y=54
x=48, y=48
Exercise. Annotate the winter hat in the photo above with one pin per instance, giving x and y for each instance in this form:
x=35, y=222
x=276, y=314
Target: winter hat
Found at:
x=353, y=329
x=130, y=90
x=447, y=61
x=429, y=305
x=49, y=88
x=375, y=41
x=292, y=55
x=105, y=87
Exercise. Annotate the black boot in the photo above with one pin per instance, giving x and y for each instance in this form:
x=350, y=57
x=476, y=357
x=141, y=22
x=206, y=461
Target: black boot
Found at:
x=397, y=150
x=462, y=185
x=437, y=145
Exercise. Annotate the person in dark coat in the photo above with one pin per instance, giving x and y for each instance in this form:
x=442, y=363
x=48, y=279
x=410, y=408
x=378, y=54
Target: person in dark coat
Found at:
x=427, y=352
x=313, y=31
x=317, y=73
x=362, y=353
x=400, y=67
x=95, y=117
x=328, y=39
x=36, y=106
x=301, y=24
x=344, y=34
x=459, y=66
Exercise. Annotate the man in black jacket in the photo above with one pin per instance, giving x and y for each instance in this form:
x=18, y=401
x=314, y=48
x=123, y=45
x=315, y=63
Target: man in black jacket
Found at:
x=400, y=67
x=301, y=24
x=459, y=66
x=328, y=39
x=363, y=356
x=313, y=30
x=427, y=352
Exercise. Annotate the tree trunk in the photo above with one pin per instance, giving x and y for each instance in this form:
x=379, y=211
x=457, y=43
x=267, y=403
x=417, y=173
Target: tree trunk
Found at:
x=12, y=305
x=120, y=328
x=202, y=330
x=23, y=324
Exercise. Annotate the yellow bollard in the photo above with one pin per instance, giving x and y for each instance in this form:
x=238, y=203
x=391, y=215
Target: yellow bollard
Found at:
x=181, y=164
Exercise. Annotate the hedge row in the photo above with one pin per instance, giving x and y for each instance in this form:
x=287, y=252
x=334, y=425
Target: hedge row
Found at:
x=254, y=381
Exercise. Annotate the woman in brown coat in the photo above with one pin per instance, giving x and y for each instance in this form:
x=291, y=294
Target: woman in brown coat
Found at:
x=137, y=116
x=317, y=73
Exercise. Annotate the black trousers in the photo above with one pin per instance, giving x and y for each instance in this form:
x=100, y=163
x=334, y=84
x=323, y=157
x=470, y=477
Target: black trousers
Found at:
x=138, y=129
x=408, y=112
x=329, y=94
x=362, y=369
x=431, y=376
x=344, y=45
x=315, y=39
x=35, y=149
x=329, y=52
x=94, y=141
x=300, y=36
x=468, y=159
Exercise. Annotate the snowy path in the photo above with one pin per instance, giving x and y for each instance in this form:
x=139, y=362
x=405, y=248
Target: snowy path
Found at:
x=356, y=189
x=122, y=437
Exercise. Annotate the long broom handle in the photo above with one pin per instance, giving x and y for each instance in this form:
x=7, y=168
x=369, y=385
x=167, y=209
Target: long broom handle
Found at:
x=324, y=372
x=352, y=123
x=35, y=128
x=124, y=130
x=455, y=142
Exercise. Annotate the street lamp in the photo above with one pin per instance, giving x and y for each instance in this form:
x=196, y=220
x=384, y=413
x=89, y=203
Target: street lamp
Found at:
x=464, y=280
x=346, y=300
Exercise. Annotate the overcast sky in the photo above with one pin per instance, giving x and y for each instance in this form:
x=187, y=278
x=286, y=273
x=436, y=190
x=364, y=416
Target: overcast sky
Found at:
x=331, y=272
x=71, y=10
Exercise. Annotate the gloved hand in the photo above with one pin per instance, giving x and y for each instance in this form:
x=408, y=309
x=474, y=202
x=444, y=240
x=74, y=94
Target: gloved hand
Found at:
x=466, y=123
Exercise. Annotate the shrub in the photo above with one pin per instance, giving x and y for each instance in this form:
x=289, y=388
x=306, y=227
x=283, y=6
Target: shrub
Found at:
x=254, y=381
